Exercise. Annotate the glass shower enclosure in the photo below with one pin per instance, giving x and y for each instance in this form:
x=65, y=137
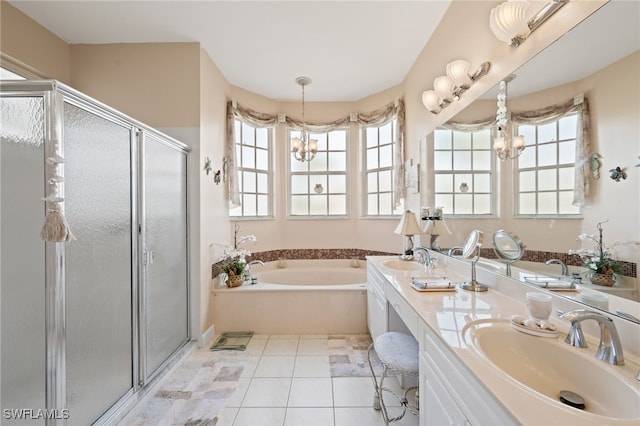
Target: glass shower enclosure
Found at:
x=87, y=324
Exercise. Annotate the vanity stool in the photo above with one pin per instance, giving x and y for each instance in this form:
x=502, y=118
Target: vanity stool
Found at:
x=397, y=352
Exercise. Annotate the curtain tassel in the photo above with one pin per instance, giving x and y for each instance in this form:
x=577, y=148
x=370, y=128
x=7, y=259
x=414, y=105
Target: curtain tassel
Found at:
x=55, y=227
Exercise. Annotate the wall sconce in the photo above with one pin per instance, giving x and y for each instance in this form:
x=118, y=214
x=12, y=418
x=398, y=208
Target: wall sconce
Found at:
x=450, y=87
x=408, y=227
x=508, y=20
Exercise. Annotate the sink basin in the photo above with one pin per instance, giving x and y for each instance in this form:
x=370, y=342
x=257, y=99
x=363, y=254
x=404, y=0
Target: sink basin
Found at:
x=402, y=265
x=549, y=365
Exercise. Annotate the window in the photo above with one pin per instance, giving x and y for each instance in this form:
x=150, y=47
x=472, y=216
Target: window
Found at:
x=463, y=172
x=545, y=169
x=379, y=179
x=253, y=156
x=319, y=187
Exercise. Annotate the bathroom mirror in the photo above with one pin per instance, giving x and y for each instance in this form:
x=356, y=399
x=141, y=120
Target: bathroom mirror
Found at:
x=470, y=247
x=508, y=248
x=546, y=70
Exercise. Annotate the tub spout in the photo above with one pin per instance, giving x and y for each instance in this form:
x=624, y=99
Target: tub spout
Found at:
x=565, y=270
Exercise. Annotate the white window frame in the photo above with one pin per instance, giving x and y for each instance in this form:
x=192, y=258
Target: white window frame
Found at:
x=397, y=212
x=238, y=146
x=533, y=145
x=492, y=172
x=314, y=135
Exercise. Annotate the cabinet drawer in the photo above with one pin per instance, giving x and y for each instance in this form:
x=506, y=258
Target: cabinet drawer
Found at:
x=402, y=308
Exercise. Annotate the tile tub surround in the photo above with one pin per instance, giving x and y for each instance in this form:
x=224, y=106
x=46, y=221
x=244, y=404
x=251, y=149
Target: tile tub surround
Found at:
x=278, y=380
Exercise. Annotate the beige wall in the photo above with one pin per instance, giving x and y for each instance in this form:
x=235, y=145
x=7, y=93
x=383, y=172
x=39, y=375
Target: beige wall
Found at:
x=28, y=45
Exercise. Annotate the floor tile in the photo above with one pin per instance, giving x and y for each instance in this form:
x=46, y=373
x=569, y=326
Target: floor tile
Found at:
x=312, y=366
x=238, y=395
x=263, y=416
x=284, y=346
x=357, y=416
x=275, y=366
x=309, y=417
x=353, y=391
x=256, y=346
x=250, y=366
x=227, y=416
x=313, y=347
x=311, y=392
x=268, y=392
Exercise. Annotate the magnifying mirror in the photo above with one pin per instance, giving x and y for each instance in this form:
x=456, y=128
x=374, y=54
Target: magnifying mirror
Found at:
x=471, y=250
x=508, y=248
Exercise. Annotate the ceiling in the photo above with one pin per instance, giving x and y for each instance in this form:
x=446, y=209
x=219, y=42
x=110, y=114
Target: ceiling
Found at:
x=350, y=49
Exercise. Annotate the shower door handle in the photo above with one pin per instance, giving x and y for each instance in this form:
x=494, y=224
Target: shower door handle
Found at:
x=149, y=257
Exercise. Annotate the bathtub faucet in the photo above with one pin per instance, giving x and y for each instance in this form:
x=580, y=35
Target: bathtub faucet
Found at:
x=247, y=271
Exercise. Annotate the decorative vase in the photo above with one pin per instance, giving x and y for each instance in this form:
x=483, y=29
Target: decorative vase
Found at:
x=606, y=280
x=234, y=280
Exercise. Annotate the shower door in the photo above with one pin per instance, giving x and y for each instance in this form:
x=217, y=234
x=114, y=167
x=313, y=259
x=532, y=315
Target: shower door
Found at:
x=164, y=295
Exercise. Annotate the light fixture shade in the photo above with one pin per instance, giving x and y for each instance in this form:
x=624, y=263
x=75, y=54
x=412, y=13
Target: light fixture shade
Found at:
x=295, y=144
x=408, y=224
x=509, y=20
x=313, y=145
x=443, y=87
x=518, y=142
x=458, y=72
x=430, y=100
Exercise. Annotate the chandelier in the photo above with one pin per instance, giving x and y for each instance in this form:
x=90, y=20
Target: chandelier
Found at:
x=505, y=144
x=303, y=148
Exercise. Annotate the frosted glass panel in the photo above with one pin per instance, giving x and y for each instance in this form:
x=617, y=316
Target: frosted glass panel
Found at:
x=98, y=264
x=318, y=204
x=166, y=236
x=22, y=262
x=337, y=184
x=444, y=183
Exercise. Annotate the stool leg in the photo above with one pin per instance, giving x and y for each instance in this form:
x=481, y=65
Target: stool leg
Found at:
x=376, y=395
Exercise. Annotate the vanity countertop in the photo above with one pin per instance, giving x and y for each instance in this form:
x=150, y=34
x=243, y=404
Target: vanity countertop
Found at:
x=447, y=313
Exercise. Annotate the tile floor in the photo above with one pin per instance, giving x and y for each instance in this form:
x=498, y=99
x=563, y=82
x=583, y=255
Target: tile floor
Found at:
x=287, y=381
x=278, y=380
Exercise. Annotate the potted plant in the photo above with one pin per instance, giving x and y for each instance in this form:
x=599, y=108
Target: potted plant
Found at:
x=235, y=259
x=234, y=269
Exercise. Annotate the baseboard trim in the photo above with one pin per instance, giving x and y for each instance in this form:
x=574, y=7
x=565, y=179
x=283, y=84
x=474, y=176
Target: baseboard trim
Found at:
x=206, y=337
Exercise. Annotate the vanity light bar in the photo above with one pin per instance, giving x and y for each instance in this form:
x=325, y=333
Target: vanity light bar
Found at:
x=450, y=87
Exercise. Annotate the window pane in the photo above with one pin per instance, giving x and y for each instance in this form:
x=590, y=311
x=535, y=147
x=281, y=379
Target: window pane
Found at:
x=461, y=160
x=337, y=184
x=337, y=204
x=528, y=132
x=385, y=204
x=298, y=166
x=322, y=140
x=547, y=180
x=248, y=135
x=461, y=140
x=338, y=141
x=248, y=159
x=299, y=184
x=237, y=128
x=338, y=161
x=385, y=181
x=482, y=139
x=372, y=204
x=249, y=180
x=386, y=156
x=482, y=204
x=318, y=204
x=547, y=203
x=527, y=181
x=263, y=205
x=442, y=160
x=442, y=139
x=566, y=177
x=262, y=137
x=567, y=152
x=372, y=158
x=527, y=203
x=463, y=204
x=567, y=127
x=463, y=178
x=547, y=155
x=319, y=163
x=446, y=201
x=262, y=159
x=565, y=207
x=443, y=183
x=482, y=160
x=317, y=180
x=235, y=211
x=249, y=204
x=299, y=205
x=372, y=182
x=528, y=158
x=385, y=134
x=482, y=183
x=372, y=136
x=547, y=132
x=263, y=182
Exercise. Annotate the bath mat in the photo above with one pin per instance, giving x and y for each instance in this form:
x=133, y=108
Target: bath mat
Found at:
x=233, y=340
x=348, y=356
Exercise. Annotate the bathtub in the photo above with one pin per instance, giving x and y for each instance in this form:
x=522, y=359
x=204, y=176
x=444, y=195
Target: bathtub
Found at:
x=299, y=297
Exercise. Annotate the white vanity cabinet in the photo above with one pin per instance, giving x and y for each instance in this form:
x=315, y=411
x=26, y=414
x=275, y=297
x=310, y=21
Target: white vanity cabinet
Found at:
x=376, y=302
x=449, y=393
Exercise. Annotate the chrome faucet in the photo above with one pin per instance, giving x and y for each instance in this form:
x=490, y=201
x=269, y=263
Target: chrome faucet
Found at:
x=247, y=271
x=453, y=250
x=423, y=256
x=565, y=270
x=609, y=349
